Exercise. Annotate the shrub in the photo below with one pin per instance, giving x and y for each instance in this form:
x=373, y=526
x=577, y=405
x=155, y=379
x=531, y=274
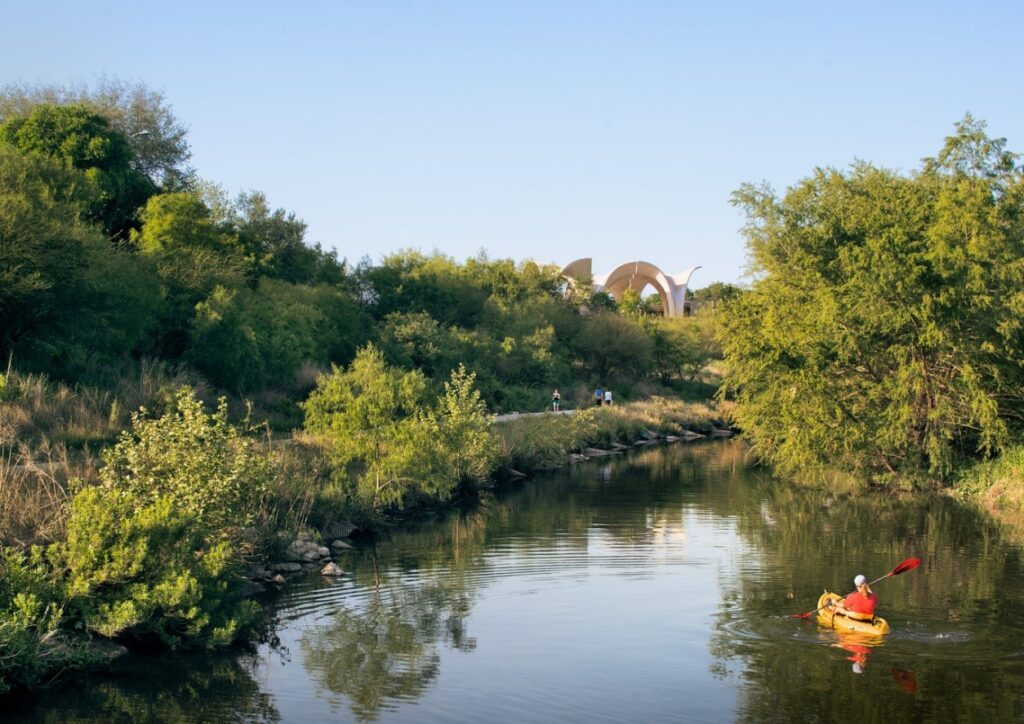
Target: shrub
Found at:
x=149, y=570
x=199, y=461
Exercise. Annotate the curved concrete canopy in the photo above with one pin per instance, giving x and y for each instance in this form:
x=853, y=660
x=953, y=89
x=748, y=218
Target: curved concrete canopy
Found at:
x=637, y=275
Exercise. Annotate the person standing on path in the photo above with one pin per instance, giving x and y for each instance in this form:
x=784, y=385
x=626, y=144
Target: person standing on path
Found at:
x=608, y=398
x=556, y=400
x=598, y=396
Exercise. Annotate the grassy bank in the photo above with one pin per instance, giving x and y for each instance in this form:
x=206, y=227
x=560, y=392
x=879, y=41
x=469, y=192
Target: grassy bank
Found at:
x=543, y=442
x=998, y=485
x=141, y=529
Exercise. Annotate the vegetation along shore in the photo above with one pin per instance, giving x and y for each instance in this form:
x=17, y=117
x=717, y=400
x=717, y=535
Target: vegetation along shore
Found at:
x=196, y=402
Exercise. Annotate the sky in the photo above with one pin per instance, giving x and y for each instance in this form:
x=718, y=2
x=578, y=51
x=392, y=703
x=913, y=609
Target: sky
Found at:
x=538, y=130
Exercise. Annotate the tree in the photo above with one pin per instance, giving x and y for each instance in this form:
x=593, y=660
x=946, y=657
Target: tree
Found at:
x=274, y=242
x=86, y=141
x=158, y=140
x=465, y=448
x=370, y=417
x=883, y=334
x=249, y=339
x=192, y=255
x=44, y=248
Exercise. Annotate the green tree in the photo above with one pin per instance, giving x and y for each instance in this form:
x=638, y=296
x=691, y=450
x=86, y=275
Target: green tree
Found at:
x=884, y=332
x=247, y=339
x=371, y=416
x=631, y=305
x=44, y=248
x=274, y=242
x=193, y=254
x=465, y=447
x=158, y=140
x=86, y=141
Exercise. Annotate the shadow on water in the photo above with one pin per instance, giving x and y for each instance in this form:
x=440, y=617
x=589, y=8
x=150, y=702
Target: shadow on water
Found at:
x=166, y=688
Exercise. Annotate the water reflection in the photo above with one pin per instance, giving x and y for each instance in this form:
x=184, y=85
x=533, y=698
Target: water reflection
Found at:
x=655, y=586
x=176, y=688
x=386, y=651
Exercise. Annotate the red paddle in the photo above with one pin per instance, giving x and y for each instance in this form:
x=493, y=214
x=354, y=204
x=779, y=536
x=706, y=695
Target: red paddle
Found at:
x=907, y=565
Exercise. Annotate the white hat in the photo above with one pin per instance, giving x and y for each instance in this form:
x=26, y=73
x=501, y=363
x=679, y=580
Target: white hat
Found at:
x=860, y=580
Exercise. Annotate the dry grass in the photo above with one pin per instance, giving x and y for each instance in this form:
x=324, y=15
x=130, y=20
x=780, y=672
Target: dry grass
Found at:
x=34, y=491
x=535, y=442
x=48, y=434
x=35, y=410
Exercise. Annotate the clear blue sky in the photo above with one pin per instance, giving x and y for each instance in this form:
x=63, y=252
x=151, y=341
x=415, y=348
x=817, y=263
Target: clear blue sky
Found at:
x=546, y=130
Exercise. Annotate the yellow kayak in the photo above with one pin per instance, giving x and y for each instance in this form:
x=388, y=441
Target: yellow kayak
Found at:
x=875, y=627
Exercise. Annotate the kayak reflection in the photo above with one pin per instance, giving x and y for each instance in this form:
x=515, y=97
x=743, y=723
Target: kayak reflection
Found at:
x=858, y=646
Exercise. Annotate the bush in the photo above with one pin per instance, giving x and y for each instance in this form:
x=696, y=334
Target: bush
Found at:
x=199, y=461
x=150, y=570
x=388, y=442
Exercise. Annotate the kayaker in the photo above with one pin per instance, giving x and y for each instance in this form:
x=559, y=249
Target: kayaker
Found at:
x=861, y=603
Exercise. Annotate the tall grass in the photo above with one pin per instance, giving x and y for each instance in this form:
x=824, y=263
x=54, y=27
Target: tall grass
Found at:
x=36, y=410
x=998, y=484
x=49, y=432
x=541, y=442
x=34, y=491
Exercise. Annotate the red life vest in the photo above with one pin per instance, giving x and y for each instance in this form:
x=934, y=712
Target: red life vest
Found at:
x=859, y=603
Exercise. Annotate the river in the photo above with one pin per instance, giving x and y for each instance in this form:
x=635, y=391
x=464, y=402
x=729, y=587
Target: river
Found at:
x=651, y=587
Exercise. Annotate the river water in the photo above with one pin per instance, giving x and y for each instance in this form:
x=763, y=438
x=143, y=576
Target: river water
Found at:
x=652, y=587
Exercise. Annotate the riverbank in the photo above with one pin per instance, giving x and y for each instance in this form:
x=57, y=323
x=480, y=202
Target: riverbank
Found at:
x=190, y=517
x=998, y=487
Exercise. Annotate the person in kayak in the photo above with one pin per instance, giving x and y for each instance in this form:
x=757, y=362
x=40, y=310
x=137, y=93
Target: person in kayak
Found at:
x=861, y=603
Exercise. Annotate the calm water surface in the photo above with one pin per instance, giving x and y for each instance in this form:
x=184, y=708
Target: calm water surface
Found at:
x=650, y=588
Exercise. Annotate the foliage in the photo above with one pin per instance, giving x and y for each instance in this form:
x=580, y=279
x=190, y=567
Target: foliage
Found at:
x=157, y=138
x=370, y=416
x=209, y=469
x=611, y=345
x=884, y=332
x=146, y=566
x=32, y=645
x=274, y=243
x=683, y=347
x=248, y=339
x=44, y=249
x=464, y=447
x=181, y=219
x=385, y=435
x=84, y=139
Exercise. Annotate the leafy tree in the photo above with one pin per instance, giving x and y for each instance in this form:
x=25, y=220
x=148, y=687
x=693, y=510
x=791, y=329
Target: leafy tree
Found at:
x=466, y=450
x=411, y=282
x=244, y=339
x=609, y=344
x=86, y=141
x=44, y=249
x=160, y=149
x=683, y=347
x=274, y=242
x=714, y=295
x=385, y=434
x=631, y=305
x=179, y=220
x=192, y=254
x=884, y=332
x=371, y=417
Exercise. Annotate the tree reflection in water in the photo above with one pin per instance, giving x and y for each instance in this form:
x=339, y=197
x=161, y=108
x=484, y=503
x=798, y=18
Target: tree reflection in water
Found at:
x=170, y=687
x=385, y=650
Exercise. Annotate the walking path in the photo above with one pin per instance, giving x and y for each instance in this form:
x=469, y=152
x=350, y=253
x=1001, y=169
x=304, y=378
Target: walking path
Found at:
x=516, y=415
